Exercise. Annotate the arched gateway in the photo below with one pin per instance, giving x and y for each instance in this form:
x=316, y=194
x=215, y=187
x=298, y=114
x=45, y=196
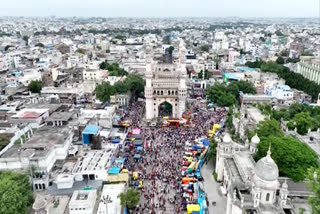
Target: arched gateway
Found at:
x=166, y=83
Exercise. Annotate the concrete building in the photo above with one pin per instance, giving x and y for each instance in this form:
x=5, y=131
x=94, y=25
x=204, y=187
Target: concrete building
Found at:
x=41, y=152
x=280, y=92
x=83, y=202
x=166, y=84
x=309, y=67
x=110, y=200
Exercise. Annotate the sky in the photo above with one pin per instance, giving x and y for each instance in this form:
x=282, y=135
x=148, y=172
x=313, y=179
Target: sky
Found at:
x=161, y=8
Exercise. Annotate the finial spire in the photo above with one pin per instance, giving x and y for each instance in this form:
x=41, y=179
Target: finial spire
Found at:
x=269, y=150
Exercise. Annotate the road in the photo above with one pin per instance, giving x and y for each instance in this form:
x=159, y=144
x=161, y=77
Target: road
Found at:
x=212, y=190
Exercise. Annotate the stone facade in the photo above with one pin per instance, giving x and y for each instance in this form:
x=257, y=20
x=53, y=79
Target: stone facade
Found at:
x=166, y=82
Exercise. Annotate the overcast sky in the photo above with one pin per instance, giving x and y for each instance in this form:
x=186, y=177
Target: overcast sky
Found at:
x=161, y=8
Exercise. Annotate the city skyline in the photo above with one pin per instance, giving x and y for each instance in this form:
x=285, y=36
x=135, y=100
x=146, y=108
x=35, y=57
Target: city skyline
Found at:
x=161, y=9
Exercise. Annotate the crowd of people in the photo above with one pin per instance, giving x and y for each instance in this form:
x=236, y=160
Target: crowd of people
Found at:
x=160, y=163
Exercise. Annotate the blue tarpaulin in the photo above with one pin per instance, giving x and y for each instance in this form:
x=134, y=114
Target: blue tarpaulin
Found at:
x=89, y=130
x=114, y=170
x=196, y=147
x=205, y=142
x=115, y=141
x=139, y=148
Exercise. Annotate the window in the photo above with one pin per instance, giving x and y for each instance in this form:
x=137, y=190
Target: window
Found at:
x=169, y=92
x=268, y=197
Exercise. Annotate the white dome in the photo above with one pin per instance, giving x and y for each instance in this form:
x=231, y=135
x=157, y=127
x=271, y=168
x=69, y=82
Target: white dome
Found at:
x=255, y=139
x=226, y=138
x=266, y=169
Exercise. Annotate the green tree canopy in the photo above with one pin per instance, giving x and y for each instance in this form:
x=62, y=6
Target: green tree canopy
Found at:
x=35, y=86
x=170, y=50
x=268, y=128
x=4, y=141
x=205, y=48
x=292, y=156
x=81, y=50
x=280, y=60
x=313, y=184
x=212, y=150
x=114, y=69
x=244, y=86
x=206, y=74
x=130, y=198
x=104, y=91
x=40, y=45
x=135, y=84
x=303, y=122
x=15, y=193
x=219, y=95
x=26, y=39
x=120, y=87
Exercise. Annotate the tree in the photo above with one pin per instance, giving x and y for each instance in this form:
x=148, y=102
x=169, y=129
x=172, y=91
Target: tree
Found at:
x=205, y=48
x=170, y=50
x=114, y=69
x=212, y=150
x=268, y=128
x=229, y=118
x=313, y=184
x=120, y=87
x=303, y=122
x=26, y=39
x=284, y=53
x=104, y=91
x=280, y=60
x=35, y=86
x=7, y=47
x=15, y=193
x=81, y=51
x=135, y=84
x=219, y=95
x=130, y=198
x=4, y=141
x=245, y=86
x=291, y=156
x=206, y=74
x=40, y=45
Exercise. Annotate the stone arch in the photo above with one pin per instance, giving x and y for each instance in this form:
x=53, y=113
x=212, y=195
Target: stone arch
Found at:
x=268, y=197
x=165, y=108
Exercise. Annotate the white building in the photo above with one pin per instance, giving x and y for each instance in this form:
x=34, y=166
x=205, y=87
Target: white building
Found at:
x=309, y=67
x=94, y=164
x=255, y=187
x=166, y=84
x=110, y=200
x=83, y=202
x=280, y=92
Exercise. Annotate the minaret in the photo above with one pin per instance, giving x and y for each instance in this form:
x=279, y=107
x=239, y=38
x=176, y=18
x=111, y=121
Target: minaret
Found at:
x=148, y=90
x=182, y=79
x=283, y=195
x=223, y=151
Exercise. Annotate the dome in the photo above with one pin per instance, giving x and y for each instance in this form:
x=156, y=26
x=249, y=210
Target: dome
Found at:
x=226, y=138
x=266, y=169
x=255, y=139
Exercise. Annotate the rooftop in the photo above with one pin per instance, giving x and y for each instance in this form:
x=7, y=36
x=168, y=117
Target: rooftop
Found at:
x=111, y=192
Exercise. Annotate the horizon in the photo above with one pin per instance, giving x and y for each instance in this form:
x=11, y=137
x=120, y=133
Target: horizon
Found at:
x=162, y=9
